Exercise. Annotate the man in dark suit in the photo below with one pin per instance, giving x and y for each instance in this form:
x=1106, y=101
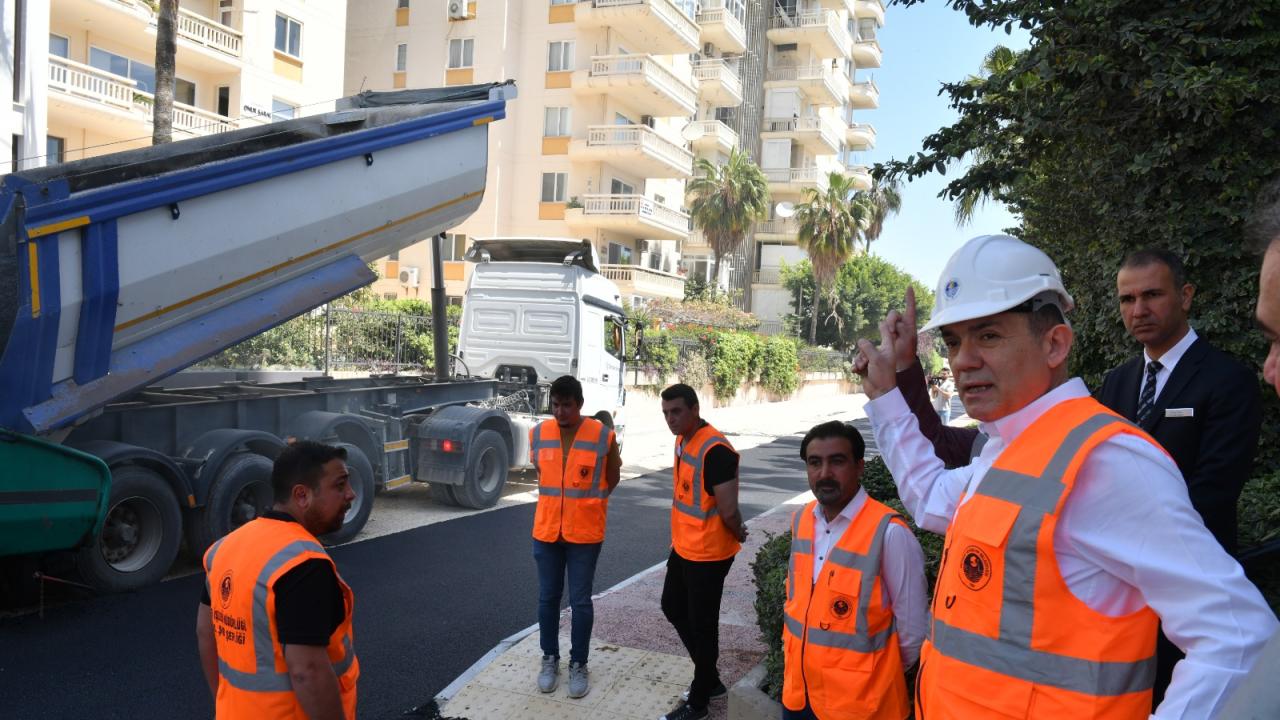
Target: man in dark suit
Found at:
x=1200, y=403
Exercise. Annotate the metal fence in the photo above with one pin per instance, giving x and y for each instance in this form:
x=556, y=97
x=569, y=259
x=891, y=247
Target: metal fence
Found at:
x=335, y=339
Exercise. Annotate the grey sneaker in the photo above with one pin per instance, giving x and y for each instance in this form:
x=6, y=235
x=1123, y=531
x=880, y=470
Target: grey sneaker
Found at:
x=549, y=677
x=578, y=685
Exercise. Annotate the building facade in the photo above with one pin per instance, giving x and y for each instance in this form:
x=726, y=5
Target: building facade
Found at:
x=87, y=78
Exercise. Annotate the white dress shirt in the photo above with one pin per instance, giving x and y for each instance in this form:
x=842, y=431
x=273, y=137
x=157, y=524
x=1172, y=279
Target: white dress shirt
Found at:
x=1127, y=537
x=1168, y=362
x=901, y=570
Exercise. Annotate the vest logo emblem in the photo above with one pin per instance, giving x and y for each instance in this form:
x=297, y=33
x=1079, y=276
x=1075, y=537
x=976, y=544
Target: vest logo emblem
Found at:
x=224, y=589
x=686, y=487
x=840, y=607
x=583, y=471
x=975, y=568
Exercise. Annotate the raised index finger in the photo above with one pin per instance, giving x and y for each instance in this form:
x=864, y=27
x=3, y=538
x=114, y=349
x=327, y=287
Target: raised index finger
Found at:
x=909, y=312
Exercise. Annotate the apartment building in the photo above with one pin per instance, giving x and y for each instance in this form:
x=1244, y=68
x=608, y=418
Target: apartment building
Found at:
x=817, y=79
x=616, y=99
x=88, y=76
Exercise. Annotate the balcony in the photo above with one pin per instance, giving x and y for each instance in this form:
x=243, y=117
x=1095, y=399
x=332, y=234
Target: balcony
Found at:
x=204, y=44
x=860, y=175
x=714, y=136
x=820, y=84
x=718, y=83
x=777, y=229
x=721, y=27
x=85, y=95
x=791, y=181
x=869, y=9
x=658, y=26
x=696, y=243
x=811, y=131
x=866, y=53
x=635, y=215
x=637, y=147
x=767, y=276
x=208, y=33
x=821, y=30
x=645, y=282
x=640, y=81
x=864, y=95
x=860, y=136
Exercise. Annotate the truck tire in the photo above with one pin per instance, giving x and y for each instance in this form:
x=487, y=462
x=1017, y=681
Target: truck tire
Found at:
x=360, y=477
x=443, y=493
x=140, y=534
x=240, y=492
x=486, y=475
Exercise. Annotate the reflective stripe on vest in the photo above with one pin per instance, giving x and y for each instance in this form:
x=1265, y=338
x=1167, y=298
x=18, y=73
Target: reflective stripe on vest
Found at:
x=264, y=678
x=695, y=460
x=1012, y=654
x=599, y=448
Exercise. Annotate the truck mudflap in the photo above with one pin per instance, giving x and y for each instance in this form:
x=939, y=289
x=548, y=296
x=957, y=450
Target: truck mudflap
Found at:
x=51, y=497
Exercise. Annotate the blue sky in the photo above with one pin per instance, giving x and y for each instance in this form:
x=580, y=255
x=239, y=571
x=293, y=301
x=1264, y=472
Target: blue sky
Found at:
x=925, y=45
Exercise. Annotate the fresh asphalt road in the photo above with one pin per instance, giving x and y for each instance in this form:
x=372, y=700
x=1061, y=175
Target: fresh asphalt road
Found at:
x=430, y=601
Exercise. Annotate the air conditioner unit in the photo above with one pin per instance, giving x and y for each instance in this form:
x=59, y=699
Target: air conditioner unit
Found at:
x=458, y=10
x=409, y=277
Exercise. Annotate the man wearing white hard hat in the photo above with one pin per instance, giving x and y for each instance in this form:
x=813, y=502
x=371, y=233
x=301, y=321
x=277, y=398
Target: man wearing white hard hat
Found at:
x=1068, y=536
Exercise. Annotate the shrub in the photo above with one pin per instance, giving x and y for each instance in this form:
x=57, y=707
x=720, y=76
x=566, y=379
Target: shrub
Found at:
x=735, y=357
x=778, y=365
x=659, y=354
x=769, y=571
x=694, y=371
x=1259, y=524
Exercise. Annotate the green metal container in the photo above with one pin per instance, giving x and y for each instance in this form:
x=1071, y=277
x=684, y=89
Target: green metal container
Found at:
x=51, y=497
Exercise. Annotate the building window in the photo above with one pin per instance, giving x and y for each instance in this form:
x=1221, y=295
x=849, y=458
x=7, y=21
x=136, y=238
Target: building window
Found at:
x=553, y=186
x=461, y=52
x=184, y=91
x=618, y=187
x=224, y=12
x=55, y=149
x=453, y=248
x=288, y=35
x=619, y=254
x=281, y=110
x=224, y=101
x=15, y=151
x=59, y=46
x=867, y=29
x=402, y=4
x=402, y=56
x=560, y=56
x=556, y=122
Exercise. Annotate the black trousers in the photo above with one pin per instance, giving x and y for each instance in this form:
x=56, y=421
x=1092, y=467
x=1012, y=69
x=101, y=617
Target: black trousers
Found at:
x=691, y=602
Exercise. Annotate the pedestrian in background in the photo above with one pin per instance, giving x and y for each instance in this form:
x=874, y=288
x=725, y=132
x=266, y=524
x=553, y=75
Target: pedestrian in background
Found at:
x=274, y=624
x=857, y=608
x=578, y=466
x=706, y=533
x=941, y=390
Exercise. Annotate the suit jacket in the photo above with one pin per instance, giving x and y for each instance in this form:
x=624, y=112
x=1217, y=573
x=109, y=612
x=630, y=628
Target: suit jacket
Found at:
x=1213, y=444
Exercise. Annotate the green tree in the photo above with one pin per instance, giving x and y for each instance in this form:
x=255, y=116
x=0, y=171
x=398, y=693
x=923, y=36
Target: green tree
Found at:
x=884, y=199
x=830, y=222
x=997, y=62
x=726, y=200
x=865, y=289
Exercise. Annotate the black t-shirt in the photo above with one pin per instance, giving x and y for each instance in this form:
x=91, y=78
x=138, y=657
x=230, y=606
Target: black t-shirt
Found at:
x=302, y=616
x=719, y=466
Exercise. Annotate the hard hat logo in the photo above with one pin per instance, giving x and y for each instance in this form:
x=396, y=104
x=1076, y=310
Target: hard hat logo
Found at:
x=952, y=289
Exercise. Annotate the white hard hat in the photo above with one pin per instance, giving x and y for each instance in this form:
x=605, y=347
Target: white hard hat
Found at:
x=991, y=274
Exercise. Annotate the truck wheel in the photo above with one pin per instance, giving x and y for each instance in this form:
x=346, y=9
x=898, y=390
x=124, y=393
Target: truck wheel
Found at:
x=486, y=475
x=443, y=493
x=360, y=476
x=240, y=492
x=140, y=534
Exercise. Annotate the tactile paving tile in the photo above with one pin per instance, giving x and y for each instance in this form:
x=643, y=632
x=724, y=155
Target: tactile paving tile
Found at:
x=481, y=703
x=665, y=668
x=635, y=697
x=518, y=673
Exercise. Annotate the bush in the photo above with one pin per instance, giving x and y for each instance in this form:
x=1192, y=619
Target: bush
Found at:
x=694, y=371
x=659, y=355
x=778, y=365
x=769, y=570
x=1259, y=524
x=735, y=357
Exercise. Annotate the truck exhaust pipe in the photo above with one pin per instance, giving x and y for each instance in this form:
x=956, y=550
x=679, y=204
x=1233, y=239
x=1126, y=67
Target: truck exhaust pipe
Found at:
x=439, y=311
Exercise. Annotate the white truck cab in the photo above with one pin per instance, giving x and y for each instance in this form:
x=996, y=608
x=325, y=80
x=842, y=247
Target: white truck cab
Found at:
x=538, y=308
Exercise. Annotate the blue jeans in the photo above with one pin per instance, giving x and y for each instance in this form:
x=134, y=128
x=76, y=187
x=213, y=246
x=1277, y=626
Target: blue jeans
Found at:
x=579, y=560
x=945, y=413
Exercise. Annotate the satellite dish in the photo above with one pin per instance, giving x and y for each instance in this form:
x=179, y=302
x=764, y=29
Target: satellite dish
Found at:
x=691, y=132
x=784, y=209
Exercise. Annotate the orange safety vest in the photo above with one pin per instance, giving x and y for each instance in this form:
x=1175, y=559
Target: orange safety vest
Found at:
x=573, y=496
x=1009, y=639
x=839, y=636
x=240, y=569
x=697, y=532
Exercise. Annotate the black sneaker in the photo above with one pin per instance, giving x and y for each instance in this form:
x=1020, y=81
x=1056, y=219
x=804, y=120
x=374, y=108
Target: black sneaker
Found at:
x=686, y=712
x=717, y=692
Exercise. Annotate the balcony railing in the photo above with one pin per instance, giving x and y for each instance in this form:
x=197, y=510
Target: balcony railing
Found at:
x=652, y=70
x=794, y=176
x=645, y=281
x=187, y=118
x=778, y=227
x=717, y=71
x=827, y=19
x=672, y=19
x=713, y=12
x=210, y=33
x=639, y=137
x=833, y=82
x=767, y=276
x=714, y=128
x=635, y=206
x=91, y=83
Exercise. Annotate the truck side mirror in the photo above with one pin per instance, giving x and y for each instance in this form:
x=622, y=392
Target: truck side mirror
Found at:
x=639, y=341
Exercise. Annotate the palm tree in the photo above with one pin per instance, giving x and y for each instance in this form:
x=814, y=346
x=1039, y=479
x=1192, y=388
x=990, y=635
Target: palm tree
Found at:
x=166, y=59
x=997, y=62
x=883, y=199
x=727, y=199
x=830, y=222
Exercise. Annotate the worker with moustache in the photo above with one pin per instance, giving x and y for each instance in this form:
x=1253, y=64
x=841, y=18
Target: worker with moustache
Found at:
x=274, y=625
x=856, y=606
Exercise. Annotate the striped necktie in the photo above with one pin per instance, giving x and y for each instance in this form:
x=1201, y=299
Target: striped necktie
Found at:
x=1148, y=398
